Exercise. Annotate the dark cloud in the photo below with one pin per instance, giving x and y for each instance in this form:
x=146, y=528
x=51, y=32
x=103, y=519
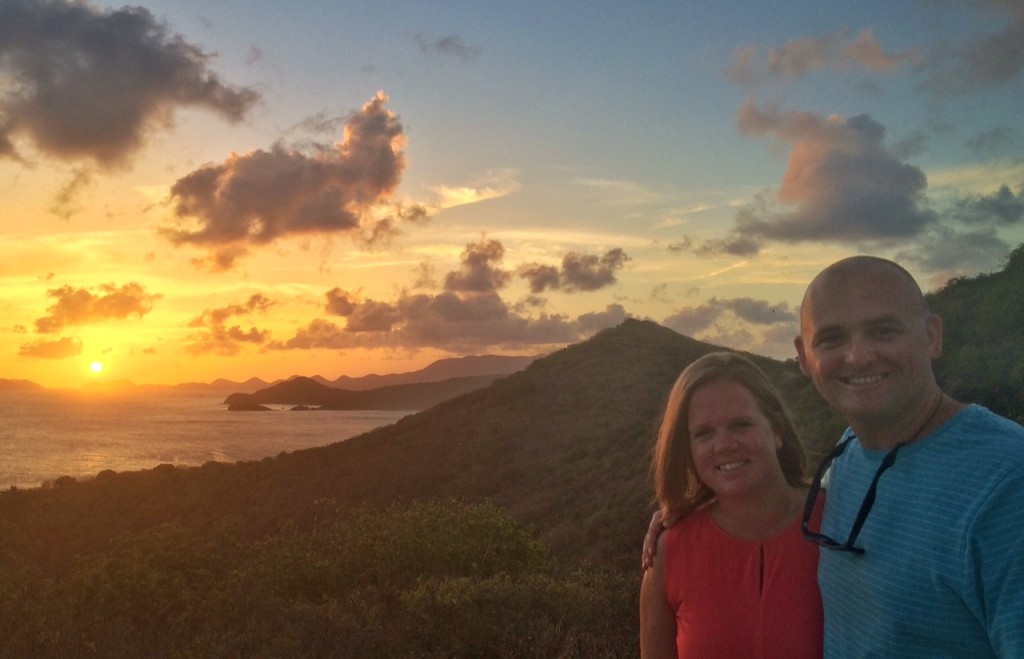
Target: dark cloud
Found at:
x=740, y=323
x=216, y=336
x=81, y=82
x=992, y=142
x=339, y=302
x=468, y=315
x=683, y=245
x=64, y=203
x=800, y=57
x=579, y=272
x=695, y=320
x=590, y=323
x=59, y=349
x=997, y=57
x=948, y=253
x=540, y=277
x=448, y=320
x=373, y=316
x=449, y=46
x=841, y=184
x=479, y=271
x=1000, y=208
x=587, y=272
x=261, y=196
x=79, y=306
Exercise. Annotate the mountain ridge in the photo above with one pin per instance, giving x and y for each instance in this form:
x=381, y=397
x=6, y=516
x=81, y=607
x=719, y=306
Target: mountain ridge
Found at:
x=303, y=391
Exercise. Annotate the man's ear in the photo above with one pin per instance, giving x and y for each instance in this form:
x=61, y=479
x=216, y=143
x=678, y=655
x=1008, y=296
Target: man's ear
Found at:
x=801, y=356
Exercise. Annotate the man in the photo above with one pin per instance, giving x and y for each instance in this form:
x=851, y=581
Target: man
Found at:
x=923, y=527
x=937, y=568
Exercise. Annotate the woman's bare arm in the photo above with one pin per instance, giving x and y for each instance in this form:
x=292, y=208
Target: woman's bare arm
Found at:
x=657, y=619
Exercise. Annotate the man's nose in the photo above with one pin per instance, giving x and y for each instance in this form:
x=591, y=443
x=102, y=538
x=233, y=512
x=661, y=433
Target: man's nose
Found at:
x=859, y=351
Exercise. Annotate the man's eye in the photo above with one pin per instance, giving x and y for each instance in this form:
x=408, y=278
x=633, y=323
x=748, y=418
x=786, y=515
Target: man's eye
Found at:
x=885, y=332
x=827, y=341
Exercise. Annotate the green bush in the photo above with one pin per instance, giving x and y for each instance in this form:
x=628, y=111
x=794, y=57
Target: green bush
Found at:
x=444, y=579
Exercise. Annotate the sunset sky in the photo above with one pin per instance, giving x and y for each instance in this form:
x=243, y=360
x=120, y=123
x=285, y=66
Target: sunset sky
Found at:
x=193, y=190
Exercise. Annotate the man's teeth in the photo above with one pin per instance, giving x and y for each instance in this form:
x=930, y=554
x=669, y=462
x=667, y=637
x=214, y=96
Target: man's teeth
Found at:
x=865, y=379
x=730, y=466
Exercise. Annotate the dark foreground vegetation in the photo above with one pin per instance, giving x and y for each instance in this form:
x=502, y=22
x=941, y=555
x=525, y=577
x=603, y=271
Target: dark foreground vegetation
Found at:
x=444, y=579
x=503, y=523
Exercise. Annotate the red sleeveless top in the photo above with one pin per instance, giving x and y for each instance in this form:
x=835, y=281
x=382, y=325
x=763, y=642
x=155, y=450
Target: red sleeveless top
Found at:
x=740, y=598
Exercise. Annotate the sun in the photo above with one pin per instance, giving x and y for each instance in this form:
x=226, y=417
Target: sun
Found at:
x=96, y=367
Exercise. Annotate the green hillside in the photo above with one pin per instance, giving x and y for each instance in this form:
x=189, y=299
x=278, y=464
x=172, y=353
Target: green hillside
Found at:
x=983, y=361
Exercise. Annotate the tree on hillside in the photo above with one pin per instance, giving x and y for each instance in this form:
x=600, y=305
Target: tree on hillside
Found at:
x=983, y=318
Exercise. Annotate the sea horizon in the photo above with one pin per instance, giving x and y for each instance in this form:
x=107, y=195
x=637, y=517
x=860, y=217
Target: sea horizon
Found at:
x=47, y=434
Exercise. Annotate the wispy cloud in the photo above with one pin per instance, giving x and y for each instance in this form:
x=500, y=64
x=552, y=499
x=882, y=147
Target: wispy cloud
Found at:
x=805, y=55
x=451, y=45
x=494, y=186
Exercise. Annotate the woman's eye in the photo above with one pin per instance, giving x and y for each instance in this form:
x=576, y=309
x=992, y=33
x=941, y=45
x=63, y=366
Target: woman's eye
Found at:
x=701, y=435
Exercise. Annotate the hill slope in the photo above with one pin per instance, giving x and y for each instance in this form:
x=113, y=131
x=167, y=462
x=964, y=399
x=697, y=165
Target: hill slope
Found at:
x=983, y=360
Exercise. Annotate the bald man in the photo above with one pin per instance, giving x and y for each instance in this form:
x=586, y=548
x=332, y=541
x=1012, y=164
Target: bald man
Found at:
x=923, y=530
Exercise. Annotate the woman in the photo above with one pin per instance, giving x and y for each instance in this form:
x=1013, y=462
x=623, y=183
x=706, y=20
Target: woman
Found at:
x=734, y=577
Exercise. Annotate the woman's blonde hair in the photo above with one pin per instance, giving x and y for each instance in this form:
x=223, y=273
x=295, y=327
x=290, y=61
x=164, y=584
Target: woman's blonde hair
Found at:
x=677, y=487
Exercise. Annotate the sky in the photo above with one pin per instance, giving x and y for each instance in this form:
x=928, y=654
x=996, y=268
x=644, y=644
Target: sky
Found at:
x=194, y=190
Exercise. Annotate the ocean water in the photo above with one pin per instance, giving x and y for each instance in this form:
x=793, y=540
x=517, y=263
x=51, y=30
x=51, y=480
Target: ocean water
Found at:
x=48, y=434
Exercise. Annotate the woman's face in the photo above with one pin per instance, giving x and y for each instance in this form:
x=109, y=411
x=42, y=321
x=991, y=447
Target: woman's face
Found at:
x=733, y=445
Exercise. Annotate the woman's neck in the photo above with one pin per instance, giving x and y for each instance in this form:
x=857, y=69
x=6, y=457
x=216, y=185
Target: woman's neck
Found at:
x=760, y=516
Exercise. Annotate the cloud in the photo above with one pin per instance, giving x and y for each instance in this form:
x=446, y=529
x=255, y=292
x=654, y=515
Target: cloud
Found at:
x=467, y=315
x=495, y=186
x=85, y=83
x=479, y=271
x=449, y=320
x=63, y=204
x=694, y=320
x=997, y=57
x=59, y=349
x=593, y=322
x=1001, y=207
x=947, y=253
x=992, y=141
x=262, y=196
x=579, y=272
x=841, y=184
x=621, y=192
x=800, y=57
x=216, y=336
x=728, y=322
x=79, y=306
x=449, y=46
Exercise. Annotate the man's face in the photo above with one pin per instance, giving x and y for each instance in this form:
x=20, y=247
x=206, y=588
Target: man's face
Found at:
x=868, y=344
